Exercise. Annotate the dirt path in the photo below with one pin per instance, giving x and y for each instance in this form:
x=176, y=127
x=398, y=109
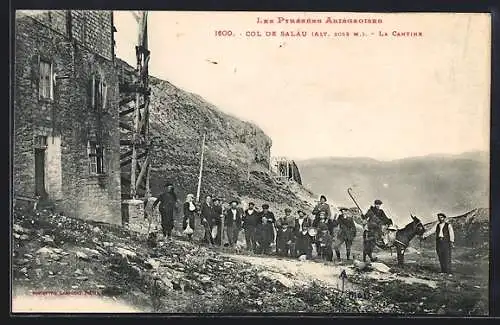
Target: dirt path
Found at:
x=301, y=272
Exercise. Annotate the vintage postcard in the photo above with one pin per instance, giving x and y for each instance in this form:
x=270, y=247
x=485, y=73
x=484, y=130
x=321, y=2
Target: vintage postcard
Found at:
x=251, y=162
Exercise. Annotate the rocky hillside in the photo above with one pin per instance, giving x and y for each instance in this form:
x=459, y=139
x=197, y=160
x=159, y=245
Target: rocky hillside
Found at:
x=421, y=185
x=237, y=154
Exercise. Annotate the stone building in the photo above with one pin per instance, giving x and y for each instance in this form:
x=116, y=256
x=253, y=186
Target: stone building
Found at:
x=66, y=112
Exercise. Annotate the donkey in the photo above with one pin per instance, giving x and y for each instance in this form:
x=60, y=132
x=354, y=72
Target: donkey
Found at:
x=403, y=238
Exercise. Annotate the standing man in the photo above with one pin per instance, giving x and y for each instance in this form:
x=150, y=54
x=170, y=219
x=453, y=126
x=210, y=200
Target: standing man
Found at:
x=282, y=225
x=250, y=221
x=264, y=236
x=445, y=241
x=322, y=206
x=168, y=203
x=233, y=223
x=207, y=214
x=217, y=220
x=268, y=214
x=346, y=233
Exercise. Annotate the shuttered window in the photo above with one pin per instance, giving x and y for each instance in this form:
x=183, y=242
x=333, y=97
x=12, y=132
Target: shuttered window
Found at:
x=99, y=92
x=96, y=158
x=45, y=84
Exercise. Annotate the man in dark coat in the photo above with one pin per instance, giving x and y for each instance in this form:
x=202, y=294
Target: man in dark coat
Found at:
x=250, y=221
x=168, y=202
x=264, y=236
x=303, y=242
x=268, y=214
x=375, y=218
x=207, y=219
x=233, y=222
x=217, y=220
x=445, y=241
x=284, y=233
x=346, y=234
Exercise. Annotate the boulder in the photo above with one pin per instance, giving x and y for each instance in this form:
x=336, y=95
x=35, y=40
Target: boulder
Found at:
x=276, y=277
x=380, y=267
x=82, y=256
x=125, y=252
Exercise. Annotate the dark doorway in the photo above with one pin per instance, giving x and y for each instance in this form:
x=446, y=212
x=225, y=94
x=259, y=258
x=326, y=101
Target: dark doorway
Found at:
x=40, y=173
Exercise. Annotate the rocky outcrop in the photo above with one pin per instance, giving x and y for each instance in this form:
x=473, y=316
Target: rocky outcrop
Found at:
x=237, y=153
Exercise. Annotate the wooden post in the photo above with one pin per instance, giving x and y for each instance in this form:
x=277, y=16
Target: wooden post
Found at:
x=201, y=169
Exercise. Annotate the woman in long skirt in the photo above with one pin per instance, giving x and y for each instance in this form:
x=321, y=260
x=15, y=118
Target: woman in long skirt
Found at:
x=190, y=211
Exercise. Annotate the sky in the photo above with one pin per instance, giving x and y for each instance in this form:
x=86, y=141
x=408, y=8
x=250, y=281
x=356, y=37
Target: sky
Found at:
x=380, y=97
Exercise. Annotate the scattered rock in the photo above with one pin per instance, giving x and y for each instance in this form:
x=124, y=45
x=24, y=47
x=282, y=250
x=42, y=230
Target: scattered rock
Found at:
x=17, y=236
x=93, y=252
x=125, y=252
x=48, y=239
x=19, y=229
x=24, y=270
x=276, y=277
x=24, y=237
x=82, y=256
x=152, y=263
x=97, y=230
x=82, y=278
x=45, y=251
x=107, y=244
x=381, y=267
x=51, y=273
x=78, y=272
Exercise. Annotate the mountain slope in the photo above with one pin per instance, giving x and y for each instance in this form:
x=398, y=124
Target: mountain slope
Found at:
x=237, y=153
x=419, y=185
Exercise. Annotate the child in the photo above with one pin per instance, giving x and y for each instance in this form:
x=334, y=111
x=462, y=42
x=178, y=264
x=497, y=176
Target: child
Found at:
x=325, y=241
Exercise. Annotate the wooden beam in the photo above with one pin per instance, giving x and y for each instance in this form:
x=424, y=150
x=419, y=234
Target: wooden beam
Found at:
x=126, y=100
x=129, y=160
x=144, y=168
x=127, y=111
x=126, y=154
x=125, y=126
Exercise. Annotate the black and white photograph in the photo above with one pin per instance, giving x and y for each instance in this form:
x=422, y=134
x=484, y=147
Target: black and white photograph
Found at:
x=231, y=162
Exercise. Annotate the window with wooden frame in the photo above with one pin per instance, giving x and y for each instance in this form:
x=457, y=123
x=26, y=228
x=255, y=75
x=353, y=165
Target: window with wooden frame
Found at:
x=96, y=158
x=46, y=82
x=98, y=93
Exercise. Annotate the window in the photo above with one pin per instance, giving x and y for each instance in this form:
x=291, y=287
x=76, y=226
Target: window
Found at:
x=46, y=86
x=96, y=158
x=99, y=91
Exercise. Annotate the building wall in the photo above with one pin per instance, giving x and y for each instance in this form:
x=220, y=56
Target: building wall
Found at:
x=67, y=120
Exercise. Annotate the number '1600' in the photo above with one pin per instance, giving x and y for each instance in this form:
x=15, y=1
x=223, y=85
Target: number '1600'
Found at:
x=223, y=33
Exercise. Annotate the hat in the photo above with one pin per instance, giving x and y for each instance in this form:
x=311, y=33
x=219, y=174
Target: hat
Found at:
x=300, y=211
x=288, y=210
x=234, y=200
x=322, y=197
x=343, y=209
x=440, y=214
x=251, y=203
x=265, y=206
x=169, y=184
x=378, y=202
x=216, y=199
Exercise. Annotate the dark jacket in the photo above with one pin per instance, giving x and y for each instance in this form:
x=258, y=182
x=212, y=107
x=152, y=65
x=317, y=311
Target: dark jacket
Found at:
x=167, y=201
x=269, y=215
x=282, y=221
x=264, y=234
x=347, y=227
x=217, y=213
x=283, y=237
x=207, y=212
x=229, y=221
x=376, y=218
x=296, y=227
x=250, y=220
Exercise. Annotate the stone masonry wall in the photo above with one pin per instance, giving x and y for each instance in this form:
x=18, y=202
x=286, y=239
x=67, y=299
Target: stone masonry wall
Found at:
x=68, y=117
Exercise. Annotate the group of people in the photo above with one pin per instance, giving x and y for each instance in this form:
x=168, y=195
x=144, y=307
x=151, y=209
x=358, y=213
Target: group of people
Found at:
x=294, y=236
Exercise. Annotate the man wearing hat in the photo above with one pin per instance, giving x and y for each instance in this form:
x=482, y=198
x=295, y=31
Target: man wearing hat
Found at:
x=375, y=218
x=325, y=242
x=217, y=221
x=322, y=206
x=250, y=221
x=233, y=222
x=445, y=239
x=168, y=203
x=282, y=226
x=346, y=233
